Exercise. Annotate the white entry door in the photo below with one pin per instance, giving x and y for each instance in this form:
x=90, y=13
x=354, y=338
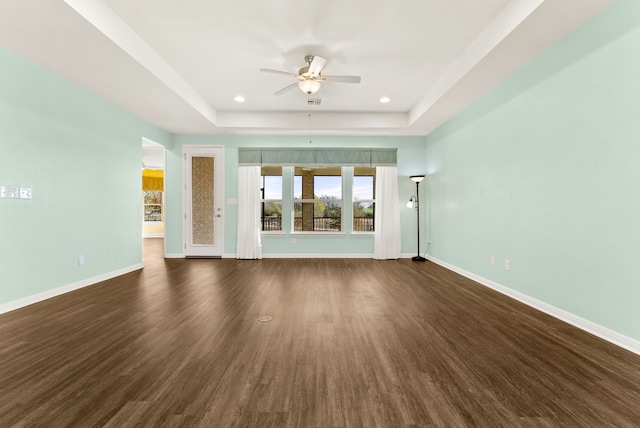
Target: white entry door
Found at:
x=204, y=198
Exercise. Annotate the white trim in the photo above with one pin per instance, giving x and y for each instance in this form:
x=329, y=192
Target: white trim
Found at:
x=153, y=235
x=30, y=300
x=315, y=234
x=609, y=335
x=174, y=256
x=310, y=256
x=317, y=256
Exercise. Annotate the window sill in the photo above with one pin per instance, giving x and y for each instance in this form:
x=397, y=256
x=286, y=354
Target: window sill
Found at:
x=309, y=233
x=362, y=234
x=272, y=233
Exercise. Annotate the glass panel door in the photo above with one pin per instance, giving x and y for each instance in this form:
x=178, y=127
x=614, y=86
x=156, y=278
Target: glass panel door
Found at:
x=202, y=208
x=204, y=227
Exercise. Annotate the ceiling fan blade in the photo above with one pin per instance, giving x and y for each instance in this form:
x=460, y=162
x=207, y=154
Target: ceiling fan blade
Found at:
x=285, y=73
x=286, y=88
x=316, y=65
x=342, y=79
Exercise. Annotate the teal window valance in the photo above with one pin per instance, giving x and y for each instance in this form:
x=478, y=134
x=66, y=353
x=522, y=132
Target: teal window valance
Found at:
x=317, y=156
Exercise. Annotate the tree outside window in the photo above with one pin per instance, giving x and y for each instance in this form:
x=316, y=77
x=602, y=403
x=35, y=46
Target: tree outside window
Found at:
x=152, y=201
x=363, y=192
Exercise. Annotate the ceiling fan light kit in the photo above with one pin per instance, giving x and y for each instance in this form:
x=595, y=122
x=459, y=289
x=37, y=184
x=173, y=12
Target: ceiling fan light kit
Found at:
x=309, y=86
x=309, y=77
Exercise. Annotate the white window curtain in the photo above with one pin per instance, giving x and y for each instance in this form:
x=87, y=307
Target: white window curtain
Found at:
x=386, y=238
x=249, y=244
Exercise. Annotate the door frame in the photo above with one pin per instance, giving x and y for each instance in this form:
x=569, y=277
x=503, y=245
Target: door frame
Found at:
x=219, y=199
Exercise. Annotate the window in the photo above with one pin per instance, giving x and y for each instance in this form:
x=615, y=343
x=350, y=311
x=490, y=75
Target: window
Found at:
x=318, y=196
x=271, y=198
x=317, y=199
x=152, y=205
x=364, y=179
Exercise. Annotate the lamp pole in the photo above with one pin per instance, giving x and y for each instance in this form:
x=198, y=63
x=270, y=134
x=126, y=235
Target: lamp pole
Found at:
x=417, y=179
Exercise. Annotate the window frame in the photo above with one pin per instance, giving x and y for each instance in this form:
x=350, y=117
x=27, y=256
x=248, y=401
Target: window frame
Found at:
x=264, y=200
x=314, y=201
x=354, y=201
x=145, y=205
x=347, y=175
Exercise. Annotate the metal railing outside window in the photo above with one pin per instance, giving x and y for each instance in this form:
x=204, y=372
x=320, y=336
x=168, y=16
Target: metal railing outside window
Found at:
x=271, y=223
x=363, y=224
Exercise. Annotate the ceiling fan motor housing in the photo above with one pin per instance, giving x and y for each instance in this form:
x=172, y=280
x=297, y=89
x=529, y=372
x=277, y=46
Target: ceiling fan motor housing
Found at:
x=303, y=73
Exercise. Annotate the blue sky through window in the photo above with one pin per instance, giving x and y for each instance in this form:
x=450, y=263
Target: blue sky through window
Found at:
x=323, y=186
x=363, y=187
x=273, y=187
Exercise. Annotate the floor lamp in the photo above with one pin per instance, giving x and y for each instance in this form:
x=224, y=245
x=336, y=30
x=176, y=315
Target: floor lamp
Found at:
x=413, y=202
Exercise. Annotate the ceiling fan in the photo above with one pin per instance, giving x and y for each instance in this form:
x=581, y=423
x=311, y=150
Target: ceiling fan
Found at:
x=309, y=77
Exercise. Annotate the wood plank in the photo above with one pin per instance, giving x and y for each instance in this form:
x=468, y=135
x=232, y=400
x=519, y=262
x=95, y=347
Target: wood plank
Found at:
x=352, y=343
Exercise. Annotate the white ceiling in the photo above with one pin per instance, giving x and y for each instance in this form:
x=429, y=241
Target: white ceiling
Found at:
x=180, y=63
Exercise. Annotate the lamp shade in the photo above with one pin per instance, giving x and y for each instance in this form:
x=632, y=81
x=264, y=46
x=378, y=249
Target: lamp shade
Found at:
x=417, y=178
x=309, y=86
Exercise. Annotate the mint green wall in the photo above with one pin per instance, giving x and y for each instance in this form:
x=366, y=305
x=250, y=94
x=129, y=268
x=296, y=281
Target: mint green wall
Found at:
x=541, y=171
x=411, y=154
x=81, y=157
x=544, y=171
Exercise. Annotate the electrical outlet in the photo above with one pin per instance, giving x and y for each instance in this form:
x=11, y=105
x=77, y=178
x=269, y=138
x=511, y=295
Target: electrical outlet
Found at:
x=492, y=260
x=293, y=240
x=81, y=260
x=507, y=265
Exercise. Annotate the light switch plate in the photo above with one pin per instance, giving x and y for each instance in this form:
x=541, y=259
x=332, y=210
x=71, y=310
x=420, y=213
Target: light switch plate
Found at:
x=9, y=192
x=25, y=193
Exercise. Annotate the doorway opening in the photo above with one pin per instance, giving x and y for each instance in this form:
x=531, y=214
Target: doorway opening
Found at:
x=153, y=190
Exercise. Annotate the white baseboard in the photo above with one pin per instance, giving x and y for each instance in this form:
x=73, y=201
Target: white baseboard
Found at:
x=174, y=256
x=609, y=335
x=317, y=256
x=182, y=256
x=30, y=300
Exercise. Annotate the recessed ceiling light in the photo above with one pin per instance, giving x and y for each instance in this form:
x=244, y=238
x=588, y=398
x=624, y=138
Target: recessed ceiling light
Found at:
x=385, y=100
x=239, y=98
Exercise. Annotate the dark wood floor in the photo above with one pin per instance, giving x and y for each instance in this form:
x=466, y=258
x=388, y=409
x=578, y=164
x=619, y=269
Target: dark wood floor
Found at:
x=352, y=343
